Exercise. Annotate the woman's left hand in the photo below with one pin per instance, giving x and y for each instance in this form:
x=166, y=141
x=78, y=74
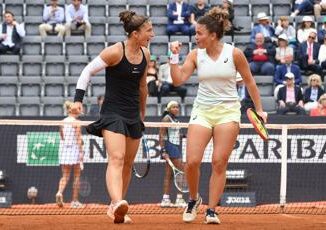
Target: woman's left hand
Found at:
x=263, y=115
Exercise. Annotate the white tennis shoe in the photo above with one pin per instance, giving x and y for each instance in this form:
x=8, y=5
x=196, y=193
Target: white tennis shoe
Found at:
x=190, y=212
x=211, y=217
x=76, y=204
x=180, y=202
x=166, y=203
x=59, y=199
x=118, y=211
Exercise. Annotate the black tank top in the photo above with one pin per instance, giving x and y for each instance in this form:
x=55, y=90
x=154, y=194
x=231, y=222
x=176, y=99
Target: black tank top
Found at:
x=122, y=87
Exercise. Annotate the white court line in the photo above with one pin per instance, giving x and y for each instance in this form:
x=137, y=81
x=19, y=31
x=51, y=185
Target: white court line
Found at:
x=292, y=216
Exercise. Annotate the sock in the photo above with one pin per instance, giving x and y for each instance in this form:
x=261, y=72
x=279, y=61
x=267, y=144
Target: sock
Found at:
x=166, y=196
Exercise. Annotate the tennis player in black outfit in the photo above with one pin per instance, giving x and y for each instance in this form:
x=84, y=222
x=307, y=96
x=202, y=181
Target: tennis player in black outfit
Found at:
x=123, y=109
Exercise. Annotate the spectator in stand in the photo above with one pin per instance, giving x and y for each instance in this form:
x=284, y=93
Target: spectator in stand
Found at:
x=197, y=10
x=11, y=34
x=178, y=18
x=322, y=32
x=96, y=108
x=302, y=6
x=260, y=56
x=312, y=92
x=228, y=5
x=321, y=108
x=283, y=49
x=290, y=98
x=77, y=18
x=322, y=55
x=284, y=27
x=308, y=54
x=53, y=18
x=165, y=80
x=307, y=25
x=320, y=5
x=152, y=79
x=263, y=27
x=286, y=69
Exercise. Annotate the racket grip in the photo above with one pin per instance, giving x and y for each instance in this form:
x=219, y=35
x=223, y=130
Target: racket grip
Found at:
x=81, y=165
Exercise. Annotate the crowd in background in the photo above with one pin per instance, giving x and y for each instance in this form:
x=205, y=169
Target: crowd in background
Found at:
x=287, y=52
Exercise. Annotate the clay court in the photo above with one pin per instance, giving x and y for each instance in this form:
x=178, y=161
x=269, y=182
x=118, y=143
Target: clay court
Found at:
x=93, y=217
x=165, y=221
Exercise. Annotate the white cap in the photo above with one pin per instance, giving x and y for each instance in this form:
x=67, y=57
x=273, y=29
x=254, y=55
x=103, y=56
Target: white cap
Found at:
x=289, y=75
x=231, y=1
x=283, y=37
x=170, y=104
x=307, y=19
x=262, y=16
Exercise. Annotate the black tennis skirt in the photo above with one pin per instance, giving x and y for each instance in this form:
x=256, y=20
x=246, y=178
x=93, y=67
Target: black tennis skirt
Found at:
x=115, y=123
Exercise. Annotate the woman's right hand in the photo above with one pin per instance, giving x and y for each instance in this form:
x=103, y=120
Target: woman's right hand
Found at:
x=77, y=108
x=175, y=47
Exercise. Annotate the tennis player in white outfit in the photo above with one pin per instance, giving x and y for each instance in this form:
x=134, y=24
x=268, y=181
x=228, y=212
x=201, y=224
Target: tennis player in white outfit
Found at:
x=216, y=111
x=70, y=156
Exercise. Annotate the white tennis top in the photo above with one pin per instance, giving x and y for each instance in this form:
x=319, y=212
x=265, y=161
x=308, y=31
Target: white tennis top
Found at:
x=173, y=134
x=69, y=133
x=217, y=79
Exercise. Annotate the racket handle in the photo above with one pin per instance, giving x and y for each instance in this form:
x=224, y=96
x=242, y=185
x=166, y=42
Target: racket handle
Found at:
x=81, y=165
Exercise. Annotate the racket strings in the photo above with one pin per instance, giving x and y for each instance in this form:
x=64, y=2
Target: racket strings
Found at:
x=181, y=182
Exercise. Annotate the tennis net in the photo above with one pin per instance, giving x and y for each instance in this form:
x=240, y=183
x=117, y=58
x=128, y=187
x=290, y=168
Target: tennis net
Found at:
x=285, y=174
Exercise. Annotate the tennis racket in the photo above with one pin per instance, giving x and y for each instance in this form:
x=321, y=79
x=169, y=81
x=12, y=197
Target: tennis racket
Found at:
x=179, y=177
x=142, y=163
x=258, y=123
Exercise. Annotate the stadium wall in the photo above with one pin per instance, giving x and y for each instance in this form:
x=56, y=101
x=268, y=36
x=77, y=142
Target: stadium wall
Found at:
x=305, y=182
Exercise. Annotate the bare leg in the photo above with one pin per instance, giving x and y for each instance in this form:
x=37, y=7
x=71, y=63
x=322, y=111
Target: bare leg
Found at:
x=224, y=138
x=131, y=151
x=76, y=185
x=65, y=178
x=195, y=152
x=167, y=179
x=116, y=147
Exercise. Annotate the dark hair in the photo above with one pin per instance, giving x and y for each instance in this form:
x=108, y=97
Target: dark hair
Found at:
x=9, y=12
x=216, y=21
x=100, y=97
x=132, y=21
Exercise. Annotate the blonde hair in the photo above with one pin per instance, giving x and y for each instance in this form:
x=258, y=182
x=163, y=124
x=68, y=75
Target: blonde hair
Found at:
x=314, y=76
x=67, y=105
x=284, y=18
x=322, y=97
x=170, y=104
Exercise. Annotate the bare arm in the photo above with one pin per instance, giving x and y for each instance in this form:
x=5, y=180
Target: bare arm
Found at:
x=242, y=67
x=162, y=133
x=108, y=57
x=143, y=90
x=192, y=19
x=180, y=74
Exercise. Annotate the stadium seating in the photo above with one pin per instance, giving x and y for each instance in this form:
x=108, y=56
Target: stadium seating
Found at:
x=49, y=67
x=34, y=7
x=32, y=45
x=7, y=105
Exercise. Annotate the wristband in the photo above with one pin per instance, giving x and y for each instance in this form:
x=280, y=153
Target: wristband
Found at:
x=174, y=59
x=79, y=95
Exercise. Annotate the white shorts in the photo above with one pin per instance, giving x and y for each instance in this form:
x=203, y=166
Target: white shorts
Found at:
x=68, y=154
x=210, y=116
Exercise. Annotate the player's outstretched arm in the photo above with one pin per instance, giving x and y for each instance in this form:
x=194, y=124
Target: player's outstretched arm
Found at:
x=180, y=74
